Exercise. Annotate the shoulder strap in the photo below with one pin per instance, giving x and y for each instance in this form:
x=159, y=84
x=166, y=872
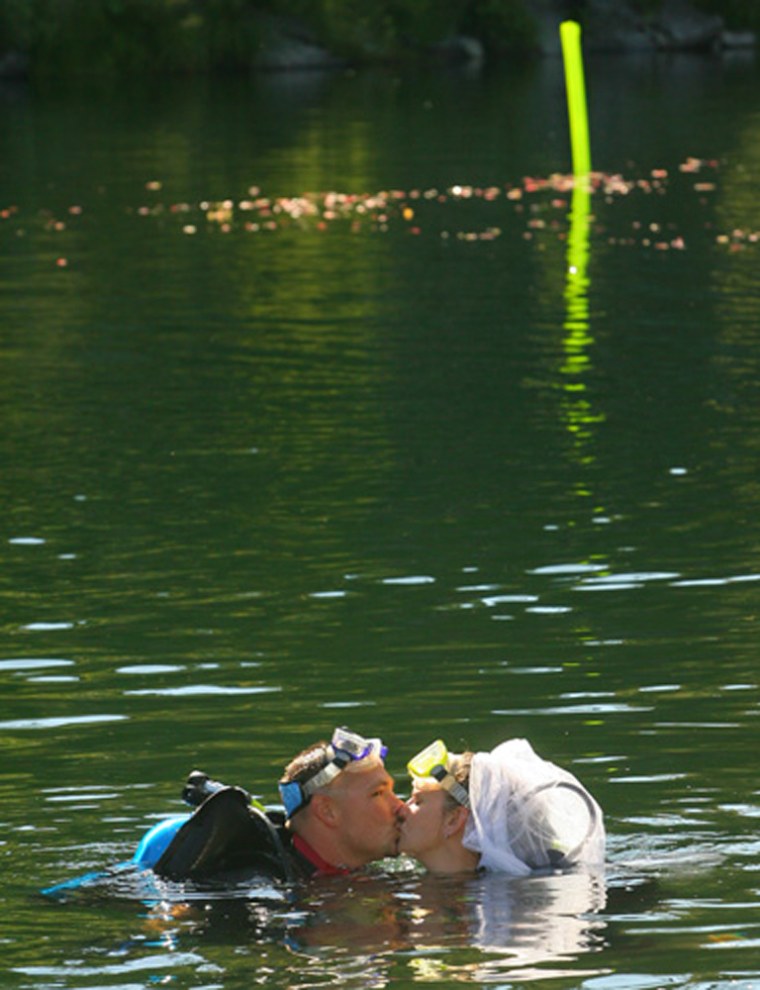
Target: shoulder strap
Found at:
x=225, y=833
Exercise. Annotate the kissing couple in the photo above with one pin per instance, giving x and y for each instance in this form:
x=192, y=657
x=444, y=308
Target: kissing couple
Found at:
x=506, y=810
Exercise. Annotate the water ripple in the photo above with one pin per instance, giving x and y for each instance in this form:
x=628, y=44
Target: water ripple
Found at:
x=569, y=569
x=549, y=609
x=57, y=723
x=410, y=579
x=592, y=709
x=33, y=663
x=492, y=600
x=711, y=582
x=163, y=961
x=633, y=579
x=47, y=626
x=150, y=668
x=192, y=690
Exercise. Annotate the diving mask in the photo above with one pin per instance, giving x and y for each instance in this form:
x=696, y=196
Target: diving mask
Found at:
x=434, y=762
x=345, y=748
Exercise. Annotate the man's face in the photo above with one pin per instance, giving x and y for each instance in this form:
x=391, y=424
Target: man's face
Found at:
x=369, y=814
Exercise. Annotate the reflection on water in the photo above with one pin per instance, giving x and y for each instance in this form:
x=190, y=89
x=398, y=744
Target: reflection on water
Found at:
x=439, y=928
x=339, y=402
x=436, y=923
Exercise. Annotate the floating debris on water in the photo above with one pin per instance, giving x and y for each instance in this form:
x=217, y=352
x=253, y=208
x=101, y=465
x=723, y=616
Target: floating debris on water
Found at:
x=542, y=205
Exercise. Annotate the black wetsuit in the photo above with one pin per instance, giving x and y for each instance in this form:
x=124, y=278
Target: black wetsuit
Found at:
x=229, y=839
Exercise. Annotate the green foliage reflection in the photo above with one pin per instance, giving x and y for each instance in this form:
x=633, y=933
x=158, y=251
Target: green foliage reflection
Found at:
x=134, y=37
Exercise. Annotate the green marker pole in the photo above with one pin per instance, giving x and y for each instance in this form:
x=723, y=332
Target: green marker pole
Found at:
x=578, y=339
x=578, y=235
x=570, y=36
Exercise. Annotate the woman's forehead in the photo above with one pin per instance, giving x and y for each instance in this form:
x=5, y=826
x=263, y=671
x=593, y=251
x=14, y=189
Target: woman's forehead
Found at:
x=420, y=784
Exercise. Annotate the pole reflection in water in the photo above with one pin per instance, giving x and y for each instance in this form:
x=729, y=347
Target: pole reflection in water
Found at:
x=578, y=339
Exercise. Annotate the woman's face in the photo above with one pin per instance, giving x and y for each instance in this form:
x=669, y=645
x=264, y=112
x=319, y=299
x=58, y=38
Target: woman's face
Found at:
x=423, y=821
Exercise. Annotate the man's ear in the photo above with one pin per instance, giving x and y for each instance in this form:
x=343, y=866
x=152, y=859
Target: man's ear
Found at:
x=455, y=821
x=325, y=810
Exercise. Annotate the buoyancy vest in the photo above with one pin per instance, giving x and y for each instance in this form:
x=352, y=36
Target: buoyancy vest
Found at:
x=228, y=836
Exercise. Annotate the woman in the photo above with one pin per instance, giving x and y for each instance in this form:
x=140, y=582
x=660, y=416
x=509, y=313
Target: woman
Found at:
x=506, y=810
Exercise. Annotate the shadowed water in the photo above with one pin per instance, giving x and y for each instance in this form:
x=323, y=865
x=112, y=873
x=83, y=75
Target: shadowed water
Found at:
x=326, y=401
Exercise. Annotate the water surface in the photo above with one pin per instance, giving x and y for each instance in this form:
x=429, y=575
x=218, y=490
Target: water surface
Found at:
x=308, y=421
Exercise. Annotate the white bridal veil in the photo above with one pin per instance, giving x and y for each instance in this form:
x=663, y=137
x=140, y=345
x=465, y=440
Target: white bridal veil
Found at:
x=528, y=814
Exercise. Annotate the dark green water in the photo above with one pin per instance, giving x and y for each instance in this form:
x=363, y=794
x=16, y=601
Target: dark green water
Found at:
x=379, y=458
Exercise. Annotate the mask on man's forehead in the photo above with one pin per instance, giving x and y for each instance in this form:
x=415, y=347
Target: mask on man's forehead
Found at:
x=348, y=751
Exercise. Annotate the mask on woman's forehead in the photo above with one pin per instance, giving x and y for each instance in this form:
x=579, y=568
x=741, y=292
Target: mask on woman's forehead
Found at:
x=434, y=763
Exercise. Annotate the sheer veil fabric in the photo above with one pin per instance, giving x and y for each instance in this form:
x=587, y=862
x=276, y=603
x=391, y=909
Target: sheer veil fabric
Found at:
x=528, y=814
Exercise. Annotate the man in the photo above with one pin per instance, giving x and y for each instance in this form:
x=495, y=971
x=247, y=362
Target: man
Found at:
x=341, y=809
x=340, y=814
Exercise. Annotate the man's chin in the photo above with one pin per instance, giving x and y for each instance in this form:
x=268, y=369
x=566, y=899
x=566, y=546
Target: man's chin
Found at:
x=396, y=846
